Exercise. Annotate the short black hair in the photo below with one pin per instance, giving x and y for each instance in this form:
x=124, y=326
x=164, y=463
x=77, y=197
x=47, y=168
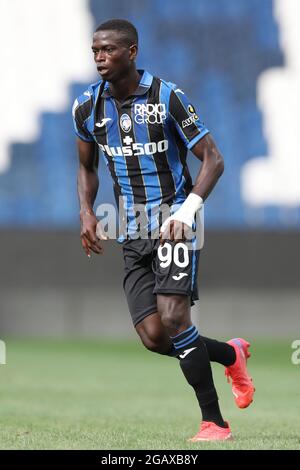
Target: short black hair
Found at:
x=126, y=28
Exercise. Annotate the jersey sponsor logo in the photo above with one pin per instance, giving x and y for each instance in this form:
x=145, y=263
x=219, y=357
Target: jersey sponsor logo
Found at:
x=179, y=276
x=150, y=113
x=186, y=352
x=103, y=122
x=125, y=123
x=192, y=119
x=191, y=109
x=135, y=148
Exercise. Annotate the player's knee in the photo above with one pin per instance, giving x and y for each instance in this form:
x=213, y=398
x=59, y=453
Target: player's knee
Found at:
x=153, y=346
x=172, y=320
x=152, y=340
x=174, y=313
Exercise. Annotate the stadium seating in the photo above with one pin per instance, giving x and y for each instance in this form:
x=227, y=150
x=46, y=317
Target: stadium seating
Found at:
x=215, y=51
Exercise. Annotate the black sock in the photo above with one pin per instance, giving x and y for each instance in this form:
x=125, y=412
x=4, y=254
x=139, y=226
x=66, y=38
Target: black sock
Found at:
x=211, y=412
x=218, y=351
x=195, y=365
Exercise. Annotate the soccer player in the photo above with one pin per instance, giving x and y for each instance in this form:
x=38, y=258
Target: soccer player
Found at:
x=144, y=126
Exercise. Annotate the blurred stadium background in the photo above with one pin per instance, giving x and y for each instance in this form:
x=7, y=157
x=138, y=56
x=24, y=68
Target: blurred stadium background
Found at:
x=239, y=63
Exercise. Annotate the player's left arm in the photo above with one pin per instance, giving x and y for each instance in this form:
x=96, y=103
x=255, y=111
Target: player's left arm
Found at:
x=212, y=166
x=196, y=137
x=210, y=171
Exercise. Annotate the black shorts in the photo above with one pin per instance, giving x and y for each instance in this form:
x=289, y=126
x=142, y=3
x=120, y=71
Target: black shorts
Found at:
x=151, y=269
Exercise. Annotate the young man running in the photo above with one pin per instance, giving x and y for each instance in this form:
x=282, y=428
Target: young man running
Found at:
x=144, y=126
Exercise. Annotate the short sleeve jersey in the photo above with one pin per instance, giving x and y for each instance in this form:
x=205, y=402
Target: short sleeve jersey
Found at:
x=144, y=139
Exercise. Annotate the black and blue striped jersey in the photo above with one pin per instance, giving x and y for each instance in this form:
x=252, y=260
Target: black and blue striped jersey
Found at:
x=144, y=139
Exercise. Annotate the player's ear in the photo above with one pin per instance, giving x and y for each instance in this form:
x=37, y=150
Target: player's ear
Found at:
x=133, y=50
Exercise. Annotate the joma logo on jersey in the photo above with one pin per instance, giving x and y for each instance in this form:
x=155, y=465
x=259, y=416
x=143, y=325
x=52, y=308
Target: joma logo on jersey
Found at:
x=135, y=149
x=150, y=113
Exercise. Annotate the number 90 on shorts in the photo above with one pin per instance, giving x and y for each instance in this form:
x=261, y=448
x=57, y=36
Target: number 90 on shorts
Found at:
x=177, y=254
x=176, y=269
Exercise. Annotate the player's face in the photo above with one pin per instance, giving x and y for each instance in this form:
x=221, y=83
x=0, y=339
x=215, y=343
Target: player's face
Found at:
x=112, y=55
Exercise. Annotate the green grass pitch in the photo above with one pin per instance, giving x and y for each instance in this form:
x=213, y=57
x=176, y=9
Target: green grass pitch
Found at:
x=116, y=395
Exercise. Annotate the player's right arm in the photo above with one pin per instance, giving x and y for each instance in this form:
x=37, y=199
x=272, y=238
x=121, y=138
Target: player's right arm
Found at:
x=87, y=186
x=87, y=179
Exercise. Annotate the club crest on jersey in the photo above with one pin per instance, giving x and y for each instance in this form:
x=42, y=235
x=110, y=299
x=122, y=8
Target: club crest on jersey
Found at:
x=125, y=123
x=150, y=113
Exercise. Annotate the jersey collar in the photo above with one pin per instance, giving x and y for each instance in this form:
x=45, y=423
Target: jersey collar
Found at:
x=143, y=86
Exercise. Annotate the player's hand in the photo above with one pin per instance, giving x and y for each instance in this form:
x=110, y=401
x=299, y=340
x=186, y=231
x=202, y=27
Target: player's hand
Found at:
x=90, y=233
x=173, y=230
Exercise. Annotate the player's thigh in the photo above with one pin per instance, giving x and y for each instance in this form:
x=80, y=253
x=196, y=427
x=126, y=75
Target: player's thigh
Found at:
x=139, y=280
x=176, y=269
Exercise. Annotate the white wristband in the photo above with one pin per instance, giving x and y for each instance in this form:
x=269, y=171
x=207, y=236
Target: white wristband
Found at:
x=186, y=212
x=192, y=203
